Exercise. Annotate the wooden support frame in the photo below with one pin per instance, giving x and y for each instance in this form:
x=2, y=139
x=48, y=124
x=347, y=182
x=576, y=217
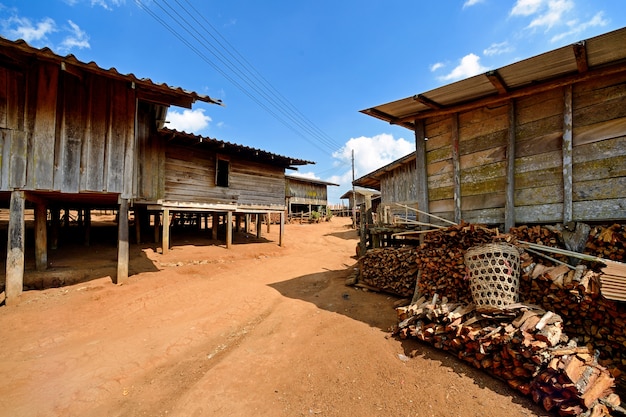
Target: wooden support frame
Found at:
x=281, y=233
x=509, y=203
x=567, y=155
x=229, y=229
x=165, y=240
x=41, y=237
x=420, y=171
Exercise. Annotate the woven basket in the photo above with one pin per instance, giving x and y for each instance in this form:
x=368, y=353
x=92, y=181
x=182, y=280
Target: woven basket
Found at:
x=493, y=271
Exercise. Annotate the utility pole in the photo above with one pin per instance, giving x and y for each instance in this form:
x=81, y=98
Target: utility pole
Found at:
x=353, y=195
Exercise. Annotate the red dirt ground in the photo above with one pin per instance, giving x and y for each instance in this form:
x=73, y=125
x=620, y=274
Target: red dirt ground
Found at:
x=205, y=331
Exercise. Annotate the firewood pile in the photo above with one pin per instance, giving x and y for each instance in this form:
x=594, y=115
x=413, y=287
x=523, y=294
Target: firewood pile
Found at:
x=521, y=344
x=391, y=270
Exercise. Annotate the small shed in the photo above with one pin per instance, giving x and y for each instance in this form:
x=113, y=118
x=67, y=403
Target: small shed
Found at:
x=541, y=140
x=304, y=195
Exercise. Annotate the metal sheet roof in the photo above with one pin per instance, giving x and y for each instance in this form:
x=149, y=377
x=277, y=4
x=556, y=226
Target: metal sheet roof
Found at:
x=566, y=65
x=226, y=148
x=372, y=180
x=19, y=53
x=310, y=180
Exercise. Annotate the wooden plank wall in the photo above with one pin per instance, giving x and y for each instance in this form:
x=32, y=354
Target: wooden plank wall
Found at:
x=65, y=131
x=190, y=177
x=307, y=193
x=398, y=185
x=597, y=171
x=599, y=151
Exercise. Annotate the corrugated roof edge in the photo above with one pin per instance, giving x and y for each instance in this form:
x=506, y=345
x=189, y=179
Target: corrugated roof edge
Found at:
x=311, y=180
x=236, y=147
x=47, y=53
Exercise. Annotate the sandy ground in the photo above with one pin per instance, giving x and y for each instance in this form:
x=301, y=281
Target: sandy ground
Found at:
x=255, y=330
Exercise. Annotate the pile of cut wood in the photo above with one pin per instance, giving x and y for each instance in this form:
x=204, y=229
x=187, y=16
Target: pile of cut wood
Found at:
x=391, y=270
x=521, y=344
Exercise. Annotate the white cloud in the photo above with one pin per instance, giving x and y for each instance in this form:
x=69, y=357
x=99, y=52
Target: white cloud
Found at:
x=438, y=65
x=469, y=66
x=23, y=28
x=77, y=39
x=107, y=4
x=526, y=7
x=371, y=153
x=190, y=121
x=498, y=49
x=575, y=27
x=469, y=3
x=554, y=14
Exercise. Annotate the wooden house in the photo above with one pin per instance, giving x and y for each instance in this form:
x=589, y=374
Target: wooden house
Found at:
x=541, y=140
x=75, y=135
x=304, y=195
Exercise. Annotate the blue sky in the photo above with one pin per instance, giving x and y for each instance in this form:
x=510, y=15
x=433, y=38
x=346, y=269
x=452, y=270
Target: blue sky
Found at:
x=294, y=75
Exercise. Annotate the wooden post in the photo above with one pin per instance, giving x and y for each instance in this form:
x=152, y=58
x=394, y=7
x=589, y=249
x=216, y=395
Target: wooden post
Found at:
x=268, y=217
x=456, y=167
x=41, y=237
x=122, y=243
x=157, y=226
x=509, y=205
x=215, y=219
x=258, y=226
x=229, y=229
x=55, y=213
x=420, y=171
x=165, y=244
x=247, y=223
x=87, y=230
x=15, y=250
x=138, y=217
x=281, y=233
x=568, y=211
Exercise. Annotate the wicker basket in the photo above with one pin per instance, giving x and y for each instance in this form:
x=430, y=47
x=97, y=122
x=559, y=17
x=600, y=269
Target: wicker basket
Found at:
x=493, y=271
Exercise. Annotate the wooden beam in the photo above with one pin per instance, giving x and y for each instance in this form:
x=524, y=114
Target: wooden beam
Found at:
x=15, y=249
x=509, y=205
x=580, y=52
x=427, y=102
x=41, y=237
x=420, y=171
x=497, y=81
x=122, y=243
x=456, y=168
x=567, y=155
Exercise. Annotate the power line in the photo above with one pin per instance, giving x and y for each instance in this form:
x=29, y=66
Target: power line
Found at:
x=241, y=75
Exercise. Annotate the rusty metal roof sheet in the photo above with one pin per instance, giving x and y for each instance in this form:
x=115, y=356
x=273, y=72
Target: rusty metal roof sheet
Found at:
x=20, y=52
x=245, y=152
x=565, y=65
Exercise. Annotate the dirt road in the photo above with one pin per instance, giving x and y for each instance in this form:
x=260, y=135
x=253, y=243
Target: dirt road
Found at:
x=257, y=330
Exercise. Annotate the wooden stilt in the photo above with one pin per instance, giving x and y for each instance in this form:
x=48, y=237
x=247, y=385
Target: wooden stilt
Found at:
x=41, y=237
x=166, y=231
x=247, y=223
x=138, y=217
x=215, y=222
x=258, y=225
x=281, y=234
x=157, y=225
x=268, y=218
x=15, y=250
x=122, y=243
x=229, y=229
x=87, y=230
x=55, y=213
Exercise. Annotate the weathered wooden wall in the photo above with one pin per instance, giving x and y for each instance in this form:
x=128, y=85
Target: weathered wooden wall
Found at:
x=301, y=192
x=398, y=186
x=65, y=131
x=190, y=178
x=559, y=165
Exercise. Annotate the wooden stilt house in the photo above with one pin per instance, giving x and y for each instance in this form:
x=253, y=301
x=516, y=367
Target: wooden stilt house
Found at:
x=541, y=140
x=74, y=135
x=305, y=195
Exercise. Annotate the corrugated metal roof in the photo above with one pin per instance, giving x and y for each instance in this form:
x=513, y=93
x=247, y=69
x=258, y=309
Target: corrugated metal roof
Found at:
x=245, y=152
x=566, y=65
x=14, y=51
x=310, y=180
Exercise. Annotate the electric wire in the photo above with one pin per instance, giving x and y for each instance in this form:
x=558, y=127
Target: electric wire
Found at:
x=281, y=109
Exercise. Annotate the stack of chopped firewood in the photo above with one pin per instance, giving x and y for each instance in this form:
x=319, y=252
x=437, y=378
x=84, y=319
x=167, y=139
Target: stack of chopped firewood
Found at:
x=521, y=344
x=392, y=270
